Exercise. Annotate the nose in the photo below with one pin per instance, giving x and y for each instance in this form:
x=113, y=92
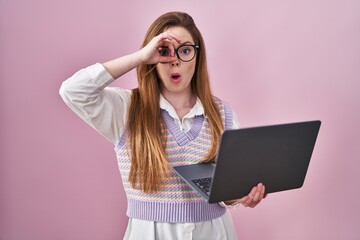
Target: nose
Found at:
x=176, y=62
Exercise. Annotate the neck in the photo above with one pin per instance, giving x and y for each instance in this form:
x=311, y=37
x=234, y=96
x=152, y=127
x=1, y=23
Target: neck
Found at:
x=181, y=102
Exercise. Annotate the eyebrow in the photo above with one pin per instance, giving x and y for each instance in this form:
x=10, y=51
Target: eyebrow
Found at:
x=185, y=43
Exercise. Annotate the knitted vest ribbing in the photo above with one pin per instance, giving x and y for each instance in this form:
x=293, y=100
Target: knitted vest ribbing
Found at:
x=176, y=201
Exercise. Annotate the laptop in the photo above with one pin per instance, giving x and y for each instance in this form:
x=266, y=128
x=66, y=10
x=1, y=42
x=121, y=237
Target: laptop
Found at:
x=277, y=156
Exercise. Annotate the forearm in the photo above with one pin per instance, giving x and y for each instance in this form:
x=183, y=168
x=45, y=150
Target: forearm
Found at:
x=119, y=66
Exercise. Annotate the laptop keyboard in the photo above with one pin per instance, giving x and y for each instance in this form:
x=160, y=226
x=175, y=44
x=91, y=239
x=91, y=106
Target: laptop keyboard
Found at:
x=204, y=184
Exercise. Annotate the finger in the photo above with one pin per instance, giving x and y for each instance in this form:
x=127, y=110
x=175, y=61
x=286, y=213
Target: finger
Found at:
x=249, y=201
x=263, y=195
x=172, y=50
x=244, y=200
x=258, y=195
x=170, y=36
x=167, y=59
x=250, y=196
x=167, y=38
x=253, y=192
x=255, y=196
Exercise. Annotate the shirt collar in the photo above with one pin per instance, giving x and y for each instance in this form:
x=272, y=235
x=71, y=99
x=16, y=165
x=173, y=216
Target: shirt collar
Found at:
x=197, y=109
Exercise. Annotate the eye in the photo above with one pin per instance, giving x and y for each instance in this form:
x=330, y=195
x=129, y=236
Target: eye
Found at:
x=164, y=51
x=185, y=50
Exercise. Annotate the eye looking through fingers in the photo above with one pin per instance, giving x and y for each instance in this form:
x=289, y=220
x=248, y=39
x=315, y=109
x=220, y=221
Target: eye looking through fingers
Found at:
x=164, y=51
x=168, y=44
x=167, y=54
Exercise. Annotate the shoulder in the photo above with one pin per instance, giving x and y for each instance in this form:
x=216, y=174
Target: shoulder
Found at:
x=222, y=105
x=228, y=115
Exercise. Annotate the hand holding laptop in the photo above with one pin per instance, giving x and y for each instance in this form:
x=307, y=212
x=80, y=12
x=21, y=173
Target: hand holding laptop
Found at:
x=256, y=195
x=277, y=156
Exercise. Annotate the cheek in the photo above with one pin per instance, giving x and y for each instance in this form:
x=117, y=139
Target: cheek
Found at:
x=160, y=71
x=191, y=70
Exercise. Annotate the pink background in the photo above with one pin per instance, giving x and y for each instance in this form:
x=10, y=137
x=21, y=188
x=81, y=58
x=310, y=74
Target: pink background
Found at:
x=273, y=61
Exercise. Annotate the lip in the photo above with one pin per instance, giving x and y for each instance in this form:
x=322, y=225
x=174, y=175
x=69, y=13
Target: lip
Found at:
x=175, y=77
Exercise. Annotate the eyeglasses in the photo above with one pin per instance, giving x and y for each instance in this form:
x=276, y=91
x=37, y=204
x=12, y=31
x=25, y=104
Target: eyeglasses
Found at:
x=185, y=52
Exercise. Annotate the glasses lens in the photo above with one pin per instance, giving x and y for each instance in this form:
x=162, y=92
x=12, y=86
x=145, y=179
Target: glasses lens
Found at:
x=186, y=52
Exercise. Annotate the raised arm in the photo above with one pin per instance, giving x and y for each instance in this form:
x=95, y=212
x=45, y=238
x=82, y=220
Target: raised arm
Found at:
x=147, y=55
x=105, y=108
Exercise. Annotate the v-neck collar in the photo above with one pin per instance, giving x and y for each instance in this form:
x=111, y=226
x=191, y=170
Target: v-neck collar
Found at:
x=183, y=138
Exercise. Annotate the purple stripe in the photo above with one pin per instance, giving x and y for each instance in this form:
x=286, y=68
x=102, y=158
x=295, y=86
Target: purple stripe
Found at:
x=121, y=142
x=174, y=212
x=228, y=116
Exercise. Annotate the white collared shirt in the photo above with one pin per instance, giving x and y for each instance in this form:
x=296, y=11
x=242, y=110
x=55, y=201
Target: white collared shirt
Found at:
x=186, y=122
x=105, y=108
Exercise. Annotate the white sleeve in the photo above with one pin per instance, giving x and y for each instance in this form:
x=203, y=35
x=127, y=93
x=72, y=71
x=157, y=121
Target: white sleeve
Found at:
x=104, y=108
x=235, y=122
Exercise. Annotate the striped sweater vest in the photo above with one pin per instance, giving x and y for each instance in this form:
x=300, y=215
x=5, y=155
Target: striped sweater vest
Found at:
x=176, y=202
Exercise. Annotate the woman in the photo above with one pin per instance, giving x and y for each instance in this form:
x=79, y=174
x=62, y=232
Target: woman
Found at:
x=171, y=119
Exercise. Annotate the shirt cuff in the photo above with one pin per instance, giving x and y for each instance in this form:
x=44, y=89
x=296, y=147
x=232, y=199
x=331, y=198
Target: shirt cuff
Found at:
x=232, y=206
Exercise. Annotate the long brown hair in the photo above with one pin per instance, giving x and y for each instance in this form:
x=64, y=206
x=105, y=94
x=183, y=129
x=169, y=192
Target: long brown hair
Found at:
x=149, y=164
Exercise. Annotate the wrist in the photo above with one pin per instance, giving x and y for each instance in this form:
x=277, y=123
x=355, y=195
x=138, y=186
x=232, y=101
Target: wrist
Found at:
x=137, y=59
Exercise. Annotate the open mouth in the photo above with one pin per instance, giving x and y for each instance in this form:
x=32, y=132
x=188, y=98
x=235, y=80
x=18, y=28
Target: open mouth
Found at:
x=175, y=76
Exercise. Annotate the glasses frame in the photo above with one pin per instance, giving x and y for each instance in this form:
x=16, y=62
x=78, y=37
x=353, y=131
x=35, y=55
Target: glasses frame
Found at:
x=196, y=49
